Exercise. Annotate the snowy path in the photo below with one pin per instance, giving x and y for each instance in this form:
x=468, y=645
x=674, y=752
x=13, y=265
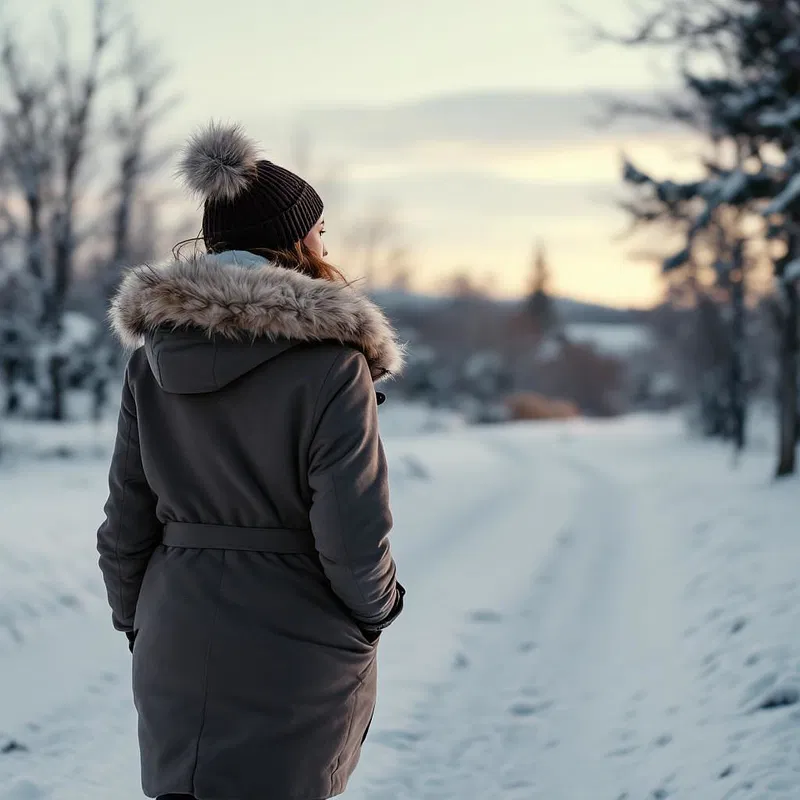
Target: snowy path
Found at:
x=537, y=695
x=565, y=636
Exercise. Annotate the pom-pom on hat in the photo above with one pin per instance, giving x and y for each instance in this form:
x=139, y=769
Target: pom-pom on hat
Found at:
x=249, y=204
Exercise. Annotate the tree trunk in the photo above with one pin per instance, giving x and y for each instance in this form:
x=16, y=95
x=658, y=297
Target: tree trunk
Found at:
x=35, y=255
x=51, y=388
x=787, y=389
x=57, y=364
x=738, y=401
x=63, y=254
x=11, y=368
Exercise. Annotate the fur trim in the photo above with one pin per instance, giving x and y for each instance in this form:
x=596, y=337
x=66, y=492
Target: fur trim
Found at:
x=218, y=161
x=237, y=295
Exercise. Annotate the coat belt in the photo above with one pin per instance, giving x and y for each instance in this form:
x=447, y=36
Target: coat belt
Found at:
x=196, y=535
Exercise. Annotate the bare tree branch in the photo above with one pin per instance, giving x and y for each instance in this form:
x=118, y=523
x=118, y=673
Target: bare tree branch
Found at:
x=77, y=95
x=131, y=128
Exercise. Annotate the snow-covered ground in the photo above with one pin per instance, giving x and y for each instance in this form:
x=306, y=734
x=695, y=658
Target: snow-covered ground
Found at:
x=617, y=339
x=595, y=611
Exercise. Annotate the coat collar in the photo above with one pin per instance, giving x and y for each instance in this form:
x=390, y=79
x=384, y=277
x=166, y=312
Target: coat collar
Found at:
x=239, y=295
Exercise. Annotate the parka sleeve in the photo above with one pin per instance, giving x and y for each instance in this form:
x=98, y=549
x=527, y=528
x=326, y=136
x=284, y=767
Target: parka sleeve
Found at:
x=348, y=476
x=131, y=531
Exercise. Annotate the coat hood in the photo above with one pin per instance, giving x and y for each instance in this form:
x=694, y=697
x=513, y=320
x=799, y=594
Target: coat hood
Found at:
x=209, y=319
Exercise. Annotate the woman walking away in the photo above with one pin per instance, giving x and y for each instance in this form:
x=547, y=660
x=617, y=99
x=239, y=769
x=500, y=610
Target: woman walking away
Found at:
x=245, y=547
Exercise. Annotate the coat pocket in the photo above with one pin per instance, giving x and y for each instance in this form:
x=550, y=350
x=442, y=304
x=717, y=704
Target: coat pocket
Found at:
x=371, y=637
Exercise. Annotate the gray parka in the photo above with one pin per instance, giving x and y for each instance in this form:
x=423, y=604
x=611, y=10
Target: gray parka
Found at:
x=245, y=547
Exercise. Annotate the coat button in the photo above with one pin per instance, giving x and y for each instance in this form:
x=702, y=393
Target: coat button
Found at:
x=381, y=397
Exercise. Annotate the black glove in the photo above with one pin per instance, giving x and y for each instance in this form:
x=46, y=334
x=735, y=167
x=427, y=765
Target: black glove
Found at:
x=131, y=639
x=373, y=632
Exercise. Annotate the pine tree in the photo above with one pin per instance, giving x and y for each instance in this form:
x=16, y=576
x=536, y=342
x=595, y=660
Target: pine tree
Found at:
x=746, y=104
x=540, y=306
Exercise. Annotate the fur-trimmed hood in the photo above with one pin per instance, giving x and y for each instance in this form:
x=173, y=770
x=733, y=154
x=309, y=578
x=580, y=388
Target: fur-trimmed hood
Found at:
x=239, y=296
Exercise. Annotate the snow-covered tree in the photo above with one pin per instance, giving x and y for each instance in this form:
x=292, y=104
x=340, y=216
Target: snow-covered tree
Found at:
x=740, y=62
x=53, y=126
x=46, y=122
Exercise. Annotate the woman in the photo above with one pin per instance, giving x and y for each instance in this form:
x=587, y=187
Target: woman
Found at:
x=245, y=548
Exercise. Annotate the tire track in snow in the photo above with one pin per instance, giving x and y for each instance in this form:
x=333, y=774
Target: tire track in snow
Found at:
x=581, y=646
x=479, y=732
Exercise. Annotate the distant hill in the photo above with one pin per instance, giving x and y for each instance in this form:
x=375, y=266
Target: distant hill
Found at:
x=399, y=300
x=577, y=311
x=571, y=311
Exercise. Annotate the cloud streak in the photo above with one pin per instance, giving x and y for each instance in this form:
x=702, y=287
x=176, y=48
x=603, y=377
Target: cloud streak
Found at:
x=476, y=177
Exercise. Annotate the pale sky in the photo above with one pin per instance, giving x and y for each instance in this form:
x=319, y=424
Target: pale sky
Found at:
x=470, y=120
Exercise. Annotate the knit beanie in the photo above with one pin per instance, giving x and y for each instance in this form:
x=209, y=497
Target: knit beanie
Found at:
x=248, y=203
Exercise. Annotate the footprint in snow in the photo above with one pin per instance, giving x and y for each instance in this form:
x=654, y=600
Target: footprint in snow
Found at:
x=738, y=625
x=622, y=751
x=663, y=740
x=398, y=740
x=512, y=785
x=759, y=687
x=460, y=661
x=527, y=647
x=70, y=601
x=24, y=790
x=414, y=469
x=779, y=697
x=741, y=790
x=529, y=709
x=710, y=669
x=13, y=746
x=485, y=615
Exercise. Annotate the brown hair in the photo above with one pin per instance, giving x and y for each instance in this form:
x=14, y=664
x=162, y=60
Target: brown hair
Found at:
x=298, y=257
